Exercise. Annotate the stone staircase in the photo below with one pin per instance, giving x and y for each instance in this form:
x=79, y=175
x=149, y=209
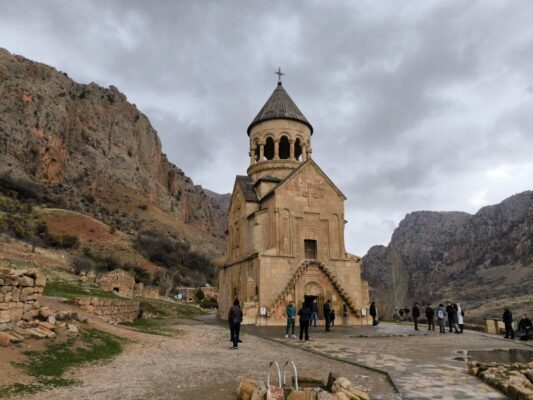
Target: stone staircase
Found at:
x=280, y=299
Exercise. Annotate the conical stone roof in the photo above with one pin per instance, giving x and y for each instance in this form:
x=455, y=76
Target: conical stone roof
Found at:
x=279, y=106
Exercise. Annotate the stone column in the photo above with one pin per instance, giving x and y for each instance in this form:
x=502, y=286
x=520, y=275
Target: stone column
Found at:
x=276, y=150
x=261, y=151
x=304, y=152
x=291, y=157
x=252, y=156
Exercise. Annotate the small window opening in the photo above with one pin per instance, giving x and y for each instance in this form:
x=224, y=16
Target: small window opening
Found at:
x=284, y=148
x=269, y=149
x=298, y=150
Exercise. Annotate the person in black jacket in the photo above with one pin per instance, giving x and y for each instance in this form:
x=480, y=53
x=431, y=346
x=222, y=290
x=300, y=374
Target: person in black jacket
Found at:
x=373, y=313
x=508, y=321
x=305, y=315
x=235, y=319
x=327, y=314
x=449, y=313
x=416, y=315
x=430, y=315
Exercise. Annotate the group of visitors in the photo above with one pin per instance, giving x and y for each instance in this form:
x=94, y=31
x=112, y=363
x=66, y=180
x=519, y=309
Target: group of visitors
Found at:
x=525, y=326
x=308, y=316
x=451, y=315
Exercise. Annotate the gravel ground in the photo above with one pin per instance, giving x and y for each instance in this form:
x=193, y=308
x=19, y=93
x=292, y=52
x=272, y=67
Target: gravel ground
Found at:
x=197, y=365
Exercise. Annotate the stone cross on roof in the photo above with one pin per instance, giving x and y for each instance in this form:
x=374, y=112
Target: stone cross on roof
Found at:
x=279, y=74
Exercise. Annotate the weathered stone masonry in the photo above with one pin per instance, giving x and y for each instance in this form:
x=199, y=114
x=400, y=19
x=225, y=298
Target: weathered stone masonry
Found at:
x=110, y=310
x=20, y=291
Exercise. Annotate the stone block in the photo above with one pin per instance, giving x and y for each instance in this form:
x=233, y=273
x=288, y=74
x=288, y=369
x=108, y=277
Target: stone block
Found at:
x=4, y=306
x=30, y=315
x=16, y=294
x=40, y=280
x=5, y=316
x=4, y=340
x=44, y=313
x=16, y=314
x=246, y=389
x=1, y=281
x=8, y=296
x=51, y=320
x=6, y=288
x=26, y=281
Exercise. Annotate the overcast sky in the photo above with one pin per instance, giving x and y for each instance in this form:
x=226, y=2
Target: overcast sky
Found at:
x=424, y=105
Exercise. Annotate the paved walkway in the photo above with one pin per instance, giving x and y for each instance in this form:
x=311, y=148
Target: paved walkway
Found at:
x=421, y=364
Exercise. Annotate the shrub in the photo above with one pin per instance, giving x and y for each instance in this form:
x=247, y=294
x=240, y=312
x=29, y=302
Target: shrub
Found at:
x=82, y=264
x=199, y=295
x=64, y=241
x=209, y=303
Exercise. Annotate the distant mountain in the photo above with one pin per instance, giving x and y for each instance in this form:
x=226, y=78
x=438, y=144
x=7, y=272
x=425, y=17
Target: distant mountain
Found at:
x=86, y=144
x=483, y=261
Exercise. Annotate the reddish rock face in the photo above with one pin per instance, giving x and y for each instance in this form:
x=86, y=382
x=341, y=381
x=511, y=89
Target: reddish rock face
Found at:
x=92, y=141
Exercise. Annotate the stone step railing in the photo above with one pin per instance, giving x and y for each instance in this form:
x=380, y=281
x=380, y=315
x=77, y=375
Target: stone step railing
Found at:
x=299, y=272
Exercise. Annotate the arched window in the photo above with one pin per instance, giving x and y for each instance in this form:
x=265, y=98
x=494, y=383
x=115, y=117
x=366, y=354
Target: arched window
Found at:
x=298, y=149
x=269, y=149
x=284, y=148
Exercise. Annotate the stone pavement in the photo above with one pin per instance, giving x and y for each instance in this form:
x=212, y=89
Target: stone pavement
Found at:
x=421, y=364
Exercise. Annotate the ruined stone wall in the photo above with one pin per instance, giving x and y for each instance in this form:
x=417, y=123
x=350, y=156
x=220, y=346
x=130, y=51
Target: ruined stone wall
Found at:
x=111, y=310
x=20, y=291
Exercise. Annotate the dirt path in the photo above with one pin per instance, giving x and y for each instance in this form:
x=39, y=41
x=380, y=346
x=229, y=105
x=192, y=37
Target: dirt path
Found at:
x=197, y=365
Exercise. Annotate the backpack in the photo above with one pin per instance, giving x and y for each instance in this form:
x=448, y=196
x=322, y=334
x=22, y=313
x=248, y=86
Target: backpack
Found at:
x=441, y=314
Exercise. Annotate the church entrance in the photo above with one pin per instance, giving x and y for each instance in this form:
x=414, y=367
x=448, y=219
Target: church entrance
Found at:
x=313, y=292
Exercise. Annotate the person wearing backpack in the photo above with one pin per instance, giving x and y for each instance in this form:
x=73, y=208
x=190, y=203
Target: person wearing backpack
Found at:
x=305, y=315
x=235, y=318
x=441, y=317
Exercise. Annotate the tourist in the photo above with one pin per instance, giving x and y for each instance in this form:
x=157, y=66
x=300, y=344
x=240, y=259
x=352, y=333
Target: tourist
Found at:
x=305, y=316
x=416, y=315
x=430, y=315
x=449, y=313
x=460, y=318
x=441, y=316
x=314, y=313
x=344, y=315
x=374, y=313
x=453, y=316
x=291, y=317
x=235, y=318
x=332, y=317
x=327, y=314
x=524, y=326
x=508, y=321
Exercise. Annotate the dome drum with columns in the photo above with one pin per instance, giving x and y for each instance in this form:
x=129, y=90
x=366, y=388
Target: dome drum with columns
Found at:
x=286, y=226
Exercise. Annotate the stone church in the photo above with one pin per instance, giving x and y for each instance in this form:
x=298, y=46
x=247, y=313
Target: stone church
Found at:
x=286, y=227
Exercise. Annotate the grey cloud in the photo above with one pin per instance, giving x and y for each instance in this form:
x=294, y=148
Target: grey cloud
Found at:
x=411, y=104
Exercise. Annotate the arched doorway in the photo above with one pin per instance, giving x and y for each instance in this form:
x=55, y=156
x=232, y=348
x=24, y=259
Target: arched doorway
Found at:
x=314, y=292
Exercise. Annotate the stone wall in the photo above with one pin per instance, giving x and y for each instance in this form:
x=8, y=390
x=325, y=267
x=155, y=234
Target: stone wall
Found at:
x=20, y=291
x=110, y=310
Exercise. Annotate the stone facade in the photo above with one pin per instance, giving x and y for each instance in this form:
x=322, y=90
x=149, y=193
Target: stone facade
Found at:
x=286, y=227
x=110, y=310
x=189, y=293
x=118, y=281
x=149, y=292
x=20, y=291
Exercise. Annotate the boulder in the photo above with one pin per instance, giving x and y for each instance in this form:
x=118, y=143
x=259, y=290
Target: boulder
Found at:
x=72, y=328
x=246, y=388
x=44, y=313
x=26, y=281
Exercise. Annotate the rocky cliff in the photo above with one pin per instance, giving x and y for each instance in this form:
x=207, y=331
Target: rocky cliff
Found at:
x=480, y=259
x=89, y=142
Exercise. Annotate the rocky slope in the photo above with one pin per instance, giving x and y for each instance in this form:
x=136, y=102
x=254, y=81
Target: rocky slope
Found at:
x=484, y=260
x=88, y=144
